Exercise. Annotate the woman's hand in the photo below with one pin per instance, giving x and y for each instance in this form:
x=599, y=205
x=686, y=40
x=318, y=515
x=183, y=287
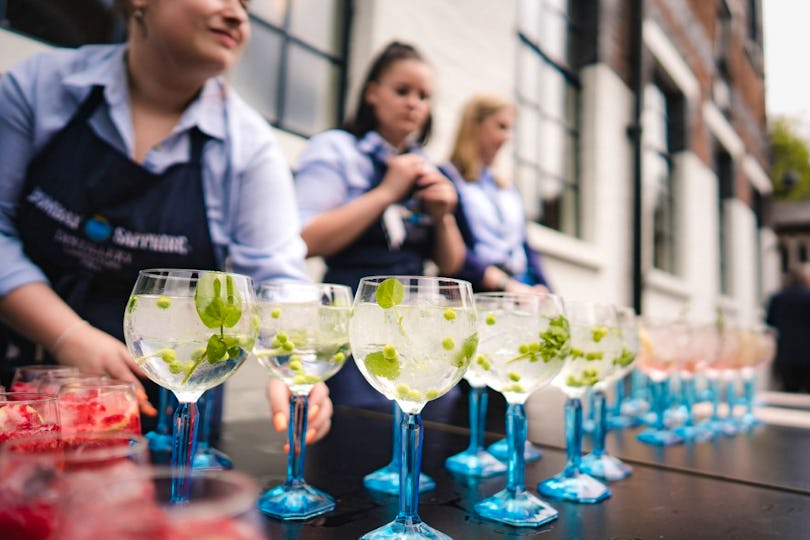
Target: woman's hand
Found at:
x=403, y=172
x=437, y=194
x=319, y=419
x=96, y=352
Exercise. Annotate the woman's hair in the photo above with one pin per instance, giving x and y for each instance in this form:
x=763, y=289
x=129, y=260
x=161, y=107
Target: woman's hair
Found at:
x=465, y=155
x=123, y=8
x=365, y=118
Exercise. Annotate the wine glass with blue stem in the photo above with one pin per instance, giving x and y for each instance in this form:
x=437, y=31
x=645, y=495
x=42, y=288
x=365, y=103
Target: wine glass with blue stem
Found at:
x=303, y=340
x=595, y=343
x=524, y=341
x=763, y=354
x=189, y=330
x=599, y=463
x=412, y=338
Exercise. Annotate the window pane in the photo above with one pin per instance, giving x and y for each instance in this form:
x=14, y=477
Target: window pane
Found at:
x=318, y=22
x=529, y=19
x=552, y=91
x=528, y=75
x=526, y=139
x=528, y=184
x=311, y=100
x=553, y=39
x=552, y=149
x=257, y=74
x=272, y=11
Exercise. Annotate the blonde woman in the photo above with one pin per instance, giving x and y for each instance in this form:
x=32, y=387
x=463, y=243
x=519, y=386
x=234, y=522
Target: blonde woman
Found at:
x=490, y=211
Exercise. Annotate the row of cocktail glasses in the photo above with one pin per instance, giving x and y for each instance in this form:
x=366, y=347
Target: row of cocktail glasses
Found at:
x=686, y=353
x=412, y=338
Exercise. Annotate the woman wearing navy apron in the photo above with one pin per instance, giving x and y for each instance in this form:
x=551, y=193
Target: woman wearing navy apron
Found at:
x=370, y=200
x=115, y=158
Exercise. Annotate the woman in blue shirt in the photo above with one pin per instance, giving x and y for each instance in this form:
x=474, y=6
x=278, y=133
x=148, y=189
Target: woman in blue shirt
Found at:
x=490, y=210
x=115, y=158
x=370, y=200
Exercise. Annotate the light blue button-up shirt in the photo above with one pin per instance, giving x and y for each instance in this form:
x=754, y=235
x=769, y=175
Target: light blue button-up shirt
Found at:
x=248, y=190
x=496, y=220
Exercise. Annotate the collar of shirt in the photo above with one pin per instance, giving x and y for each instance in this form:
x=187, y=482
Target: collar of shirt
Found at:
x=205, y=112
x=373, y=144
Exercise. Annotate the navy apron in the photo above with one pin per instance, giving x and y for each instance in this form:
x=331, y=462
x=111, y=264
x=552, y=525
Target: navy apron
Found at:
x=371, y=255
x=91, y=218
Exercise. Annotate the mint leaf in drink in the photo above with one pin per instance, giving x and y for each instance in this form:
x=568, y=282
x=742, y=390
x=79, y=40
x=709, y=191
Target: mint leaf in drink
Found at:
x=625, y=358
x=390, y=293
x=216, y=307
x=381, y=365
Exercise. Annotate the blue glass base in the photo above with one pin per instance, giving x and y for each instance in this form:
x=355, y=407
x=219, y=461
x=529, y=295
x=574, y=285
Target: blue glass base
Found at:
x=605, y=467
x=478, y=464
x=159, y=442
x=404, y=531
x=659, y=437
x=622, y=422
x=209, y=458
x=579, y=488
x=719, y=427
x=694, y=433
x=748, y=422
x=295, y=502
x=521, y=509
x=500, y=450
x=386, y=480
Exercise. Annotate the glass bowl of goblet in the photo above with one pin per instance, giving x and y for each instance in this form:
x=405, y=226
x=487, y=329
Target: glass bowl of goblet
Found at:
x=190, y=330
x=412, y=338
x=303, y=340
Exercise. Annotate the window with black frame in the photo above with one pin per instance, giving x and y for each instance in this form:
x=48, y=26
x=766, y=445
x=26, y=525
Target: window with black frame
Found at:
x=293, y=70
x=662, y=133
x=547, y=134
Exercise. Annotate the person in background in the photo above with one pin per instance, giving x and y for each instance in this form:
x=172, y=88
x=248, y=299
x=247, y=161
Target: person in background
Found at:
x=490, y=211
x=370, y=200
x=789, y=313
x=115, y=158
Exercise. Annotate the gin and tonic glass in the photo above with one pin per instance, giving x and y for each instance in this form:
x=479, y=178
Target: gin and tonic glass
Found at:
x=595, y=343
x=189, y=330
x=412, y=338
x=524, y=340
x=303, y=340
x=599, y=463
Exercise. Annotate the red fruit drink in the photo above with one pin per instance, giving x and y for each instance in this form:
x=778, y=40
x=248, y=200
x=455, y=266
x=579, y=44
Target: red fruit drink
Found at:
x=99, y=406
x=38, y=472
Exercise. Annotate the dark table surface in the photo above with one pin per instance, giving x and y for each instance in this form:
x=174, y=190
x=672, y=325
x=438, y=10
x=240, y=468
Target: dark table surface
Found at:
x=753, y=486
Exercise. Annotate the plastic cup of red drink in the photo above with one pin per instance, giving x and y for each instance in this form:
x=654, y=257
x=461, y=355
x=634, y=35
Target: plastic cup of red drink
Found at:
x=99, y=404
x=26, y=378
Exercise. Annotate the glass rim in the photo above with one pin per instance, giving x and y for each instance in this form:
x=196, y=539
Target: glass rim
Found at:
x=302, y=284
x=185, y=273
x=34, y=397
x=137, y=446
x=377, y=279
x=239, y=500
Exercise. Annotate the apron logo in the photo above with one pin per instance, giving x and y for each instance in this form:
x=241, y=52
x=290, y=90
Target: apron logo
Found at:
x=97, y=228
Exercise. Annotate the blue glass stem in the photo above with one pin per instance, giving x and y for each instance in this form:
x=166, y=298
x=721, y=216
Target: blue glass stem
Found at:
x=600, y=427
x=298, y=444
x=689, y=394
x=516, y=442
x=410, y=468
x=714, y=393
x=205, y=429
x=731, y=398
x=396, y=450
x=185, y=440
x=660, y=398
x=478, y=417
x=617, y=405
x=749, y=386
x=573, y=436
